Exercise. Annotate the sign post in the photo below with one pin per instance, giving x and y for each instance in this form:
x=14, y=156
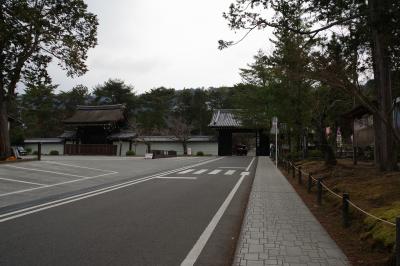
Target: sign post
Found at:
x=275, y=127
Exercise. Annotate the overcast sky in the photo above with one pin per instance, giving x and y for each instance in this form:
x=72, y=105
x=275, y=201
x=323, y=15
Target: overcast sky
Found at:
x=171, y=43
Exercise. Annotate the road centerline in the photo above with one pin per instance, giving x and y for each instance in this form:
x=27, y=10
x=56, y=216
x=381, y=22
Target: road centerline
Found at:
x=194, y=253
x=52, y=204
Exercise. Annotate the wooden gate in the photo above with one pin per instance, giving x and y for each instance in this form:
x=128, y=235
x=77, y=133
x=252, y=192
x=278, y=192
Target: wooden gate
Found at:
x=90, y=149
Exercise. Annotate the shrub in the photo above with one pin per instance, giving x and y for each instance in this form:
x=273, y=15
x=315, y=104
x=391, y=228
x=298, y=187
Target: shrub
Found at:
x=54, y=152
x=130, y=153
x=35, y=153
x=315, y=154
x=200, y=153
x=28, y=150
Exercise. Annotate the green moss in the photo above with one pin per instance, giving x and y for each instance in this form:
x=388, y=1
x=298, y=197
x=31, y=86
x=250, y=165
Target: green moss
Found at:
x=382, y=234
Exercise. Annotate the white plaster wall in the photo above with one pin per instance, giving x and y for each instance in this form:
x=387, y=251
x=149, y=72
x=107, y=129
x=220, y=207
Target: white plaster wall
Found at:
x=47, y=147
x=208, y=148
x=168, y=146
x=139, y=148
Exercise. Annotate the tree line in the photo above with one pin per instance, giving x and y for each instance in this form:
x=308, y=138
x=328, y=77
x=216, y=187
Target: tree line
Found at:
x=158, y=111
x=329, y=56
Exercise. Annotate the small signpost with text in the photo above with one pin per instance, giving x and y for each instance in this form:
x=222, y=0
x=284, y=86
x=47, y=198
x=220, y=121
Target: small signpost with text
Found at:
x=275, y=130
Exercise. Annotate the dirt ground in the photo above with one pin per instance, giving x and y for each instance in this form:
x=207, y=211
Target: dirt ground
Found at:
x=366, y=241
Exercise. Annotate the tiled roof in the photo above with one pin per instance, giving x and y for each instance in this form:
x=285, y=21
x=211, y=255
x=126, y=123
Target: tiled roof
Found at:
x=174, y=139
x=123, y=135
x=97, y=114
x=68, y=135
x=224, y=118
x=44, y=140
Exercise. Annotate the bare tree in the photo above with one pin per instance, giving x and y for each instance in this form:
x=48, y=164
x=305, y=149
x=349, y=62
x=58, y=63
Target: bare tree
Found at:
x=181, y=131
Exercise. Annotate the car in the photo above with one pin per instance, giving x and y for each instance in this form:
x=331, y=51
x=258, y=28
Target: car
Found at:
x=22, y=151
x=241, y=150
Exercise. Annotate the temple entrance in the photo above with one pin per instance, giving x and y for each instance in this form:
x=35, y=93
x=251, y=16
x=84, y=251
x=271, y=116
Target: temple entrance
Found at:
x=229, y=126
x=229, y=138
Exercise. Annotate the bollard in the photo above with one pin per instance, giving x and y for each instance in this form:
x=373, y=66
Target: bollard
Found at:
x=39, y=154
x=397, y=241
x=299, y=176
x=309, y=183
x=345, y=210
x=319, y=191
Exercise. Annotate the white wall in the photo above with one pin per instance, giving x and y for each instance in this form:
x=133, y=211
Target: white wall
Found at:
x=47, y=147
x=206, y=147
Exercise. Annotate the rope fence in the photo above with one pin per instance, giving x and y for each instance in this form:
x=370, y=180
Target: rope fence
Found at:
x=291, y=167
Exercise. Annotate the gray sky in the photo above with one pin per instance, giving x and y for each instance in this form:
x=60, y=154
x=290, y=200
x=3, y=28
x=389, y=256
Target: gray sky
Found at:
x=156, y=43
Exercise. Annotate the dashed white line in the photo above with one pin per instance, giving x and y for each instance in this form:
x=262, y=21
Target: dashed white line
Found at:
x=200, y=171
x=22, y=212
x=186, y=171
x=20, y=181
x=232, y=167
x=230, y=172
x=177, y=177
x=214, y=172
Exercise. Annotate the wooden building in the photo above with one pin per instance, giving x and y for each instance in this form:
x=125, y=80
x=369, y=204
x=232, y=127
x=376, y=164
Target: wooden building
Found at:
x=226, y=123
x=92, y=129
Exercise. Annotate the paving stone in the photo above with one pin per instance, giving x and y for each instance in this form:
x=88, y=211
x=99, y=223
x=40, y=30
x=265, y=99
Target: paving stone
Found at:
x=255, y=263
x=278, y=229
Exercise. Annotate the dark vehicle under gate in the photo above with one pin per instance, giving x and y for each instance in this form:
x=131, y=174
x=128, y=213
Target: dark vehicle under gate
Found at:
x=241, y=150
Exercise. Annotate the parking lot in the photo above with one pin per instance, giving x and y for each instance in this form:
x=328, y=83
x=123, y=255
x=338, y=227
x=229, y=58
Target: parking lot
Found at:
x=33, y=180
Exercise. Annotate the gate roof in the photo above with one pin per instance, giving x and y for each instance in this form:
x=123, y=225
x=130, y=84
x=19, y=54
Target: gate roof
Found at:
x=225, y=118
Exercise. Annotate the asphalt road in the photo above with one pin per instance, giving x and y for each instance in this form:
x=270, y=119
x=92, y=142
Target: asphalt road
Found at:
x=188, y=215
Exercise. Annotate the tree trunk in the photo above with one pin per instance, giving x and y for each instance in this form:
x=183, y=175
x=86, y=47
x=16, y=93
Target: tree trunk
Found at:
x=184, y=144
x=386, y=155
x=5, y=145
x=326, y=149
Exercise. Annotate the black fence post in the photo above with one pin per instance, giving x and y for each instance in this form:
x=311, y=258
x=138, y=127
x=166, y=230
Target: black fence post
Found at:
x=319, y=191
x=397, y=241
x=294, y=171
x=309, y=183
x=299, y=176
x=39, y=154
x=345, y=210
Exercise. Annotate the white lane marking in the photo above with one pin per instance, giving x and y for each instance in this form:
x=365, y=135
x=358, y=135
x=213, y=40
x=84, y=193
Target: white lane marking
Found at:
x=245, y=173
x=214, y=172
x=46, y=171
x=200, y=171
x=230, y=172
x=78, y=166
x=186, y=171
x=79, y=180
x=20, y=181
x=52, y=204
x=177, y=177
x=201, y=242
x=248, y=167
x=72, y=200
x=233, y=167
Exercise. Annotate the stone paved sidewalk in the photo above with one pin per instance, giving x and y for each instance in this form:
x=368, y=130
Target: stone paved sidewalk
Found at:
x=278, y=228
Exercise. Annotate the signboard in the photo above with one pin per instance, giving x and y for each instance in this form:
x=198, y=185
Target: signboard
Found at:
x=274, y=128
x=274, y=121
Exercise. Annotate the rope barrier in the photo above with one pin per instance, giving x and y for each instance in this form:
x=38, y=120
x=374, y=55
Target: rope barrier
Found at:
x=340, y=197
x=329, y=190
x=371, y=215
